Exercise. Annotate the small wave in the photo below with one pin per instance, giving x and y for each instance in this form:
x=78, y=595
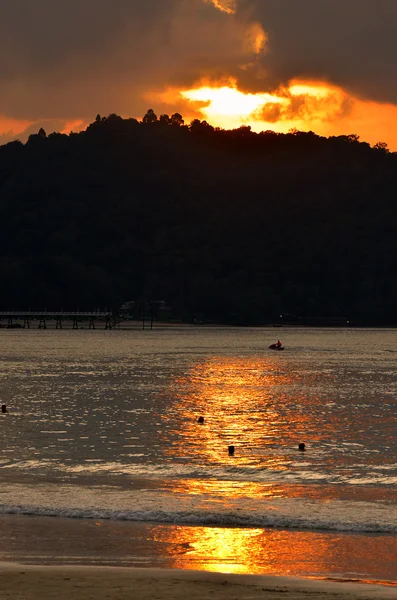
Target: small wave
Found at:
x=271, y=519
x=297, y=470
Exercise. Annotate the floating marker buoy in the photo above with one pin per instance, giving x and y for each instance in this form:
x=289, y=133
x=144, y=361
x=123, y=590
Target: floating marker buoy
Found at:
x=200, y=420
x=231, y=450
x=302, y=447
x=3, y=408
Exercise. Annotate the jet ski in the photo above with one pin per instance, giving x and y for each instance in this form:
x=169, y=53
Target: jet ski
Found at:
x=276, y=347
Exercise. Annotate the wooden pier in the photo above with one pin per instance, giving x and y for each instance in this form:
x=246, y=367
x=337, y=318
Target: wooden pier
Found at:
x=26, y=319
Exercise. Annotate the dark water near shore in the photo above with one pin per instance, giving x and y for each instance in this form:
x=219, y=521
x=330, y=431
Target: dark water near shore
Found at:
x=102, y=427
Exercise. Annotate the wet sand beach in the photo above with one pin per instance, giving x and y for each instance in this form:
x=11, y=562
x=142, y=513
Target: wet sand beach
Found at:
x=19, y=582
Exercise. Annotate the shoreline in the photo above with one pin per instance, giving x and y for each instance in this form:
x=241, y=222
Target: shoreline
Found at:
x=142, y=325
x=32, y=582
x=311, y=555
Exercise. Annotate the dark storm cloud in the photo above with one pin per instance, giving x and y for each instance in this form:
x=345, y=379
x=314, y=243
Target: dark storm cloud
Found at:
x=73, y=58
x=352, y=43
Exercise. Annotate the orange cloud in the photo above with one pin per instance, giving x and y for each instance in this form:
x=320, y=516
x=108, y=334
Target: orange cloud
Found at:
x=227, y=6
x=305, y=103
x=10, y=128
x=256, y=37
x=74, y=126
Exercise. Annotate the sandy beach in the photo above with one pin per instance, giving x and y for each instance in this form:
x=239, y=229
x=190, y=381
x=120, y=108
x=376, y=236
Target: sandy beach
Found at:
x=22, y=582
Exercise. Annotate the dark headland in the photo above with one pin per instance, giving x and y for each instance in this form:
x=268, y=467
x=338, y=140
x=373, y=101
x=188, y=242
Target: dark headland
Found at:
x=222, y=226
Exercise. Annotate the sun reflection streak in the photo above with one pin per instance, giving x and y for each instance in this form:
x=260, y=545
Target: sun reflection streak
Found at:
x=271, y=552
x=219, y=545
x=259, y=551
x=216, y=549
x=237, y=397
x=228, y=489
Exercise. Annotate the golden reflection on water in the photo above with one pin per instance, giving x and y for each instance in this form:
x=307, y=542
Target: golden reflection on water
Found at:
x=275, y=552
x=245, y=402
x=222, y=550
x=227, y=489
x=258, y=406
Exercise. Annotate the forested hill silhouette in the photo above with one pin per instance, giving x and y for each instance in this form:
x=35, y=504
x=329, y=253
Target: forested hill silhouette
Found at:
x=226, y=226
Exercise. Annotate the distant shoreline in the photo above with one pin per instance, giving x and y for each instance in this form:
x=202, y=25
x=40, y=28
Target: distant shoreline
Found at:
x=133, y=325
x=51, y=323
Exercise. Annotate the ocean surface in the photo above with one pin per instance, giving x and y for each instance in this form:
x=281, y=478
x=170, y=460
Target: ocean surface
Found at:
x=103, y=459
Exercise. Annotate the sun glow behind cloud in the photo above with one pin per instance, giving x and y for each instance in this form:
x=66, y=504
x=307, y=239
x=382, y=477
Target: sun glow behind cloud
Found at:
x=226, y=105
x=303, y=105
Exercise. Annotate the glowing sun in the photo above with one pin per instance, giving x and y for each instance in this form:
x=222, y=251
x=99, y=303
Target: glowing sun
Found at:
x=225, y=105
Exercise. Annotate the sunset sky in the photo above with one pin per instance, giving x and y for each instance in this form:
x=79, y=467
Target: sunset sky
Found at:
x=321, y=65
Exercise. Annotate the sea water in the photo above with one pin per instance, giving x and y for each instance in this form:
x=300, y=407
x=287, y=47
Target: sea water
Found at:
x=102, y=442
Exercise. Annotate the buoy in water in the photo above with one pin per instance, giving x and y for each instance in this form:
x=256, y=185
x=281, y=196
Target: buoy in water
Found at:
x=231, y=450
x=3, y=408
x=301, y=447
x=200, y=420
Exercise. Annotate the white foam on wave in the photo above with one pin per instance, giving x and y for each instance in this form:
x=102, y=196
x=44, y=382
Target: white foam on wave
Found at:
x=375, y=478
x=215, y=509
x=230, y=519
x=298, y=471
